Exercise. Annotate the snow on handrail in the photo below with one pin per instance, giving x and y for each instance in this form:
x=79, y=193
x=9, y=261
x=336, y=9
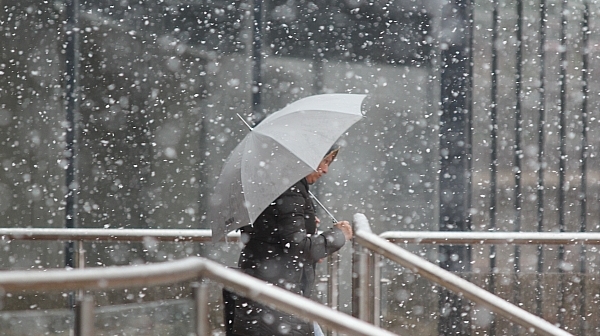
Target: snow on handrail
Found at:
x=191, y=268
x=456, y=284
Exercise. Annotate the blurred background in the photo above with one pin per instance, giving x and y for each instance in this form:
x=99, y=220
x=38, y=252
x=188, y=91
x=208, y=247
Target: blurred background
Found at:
x=480, y=116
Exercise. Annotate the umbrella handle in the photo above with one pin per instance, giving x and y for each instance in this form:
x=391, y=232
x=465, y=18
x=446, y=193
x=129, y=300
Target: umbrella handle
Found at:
x=322, y=206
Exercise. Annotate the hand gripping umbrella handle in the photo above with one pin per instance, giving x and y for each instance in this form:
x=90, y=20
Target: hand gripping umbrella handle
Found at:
x=322, y=206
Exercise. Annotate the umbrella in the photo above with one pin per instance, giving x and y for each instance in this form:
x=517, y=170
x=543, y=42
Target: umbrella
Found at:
x=285, y=147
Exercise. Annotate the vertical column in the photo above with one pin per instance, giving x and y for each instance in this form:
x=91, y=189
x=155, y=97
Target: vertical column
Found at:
x=455, y=149
x=541, y=152
x=257, y=62
x=583, y=163
x=518, y=153
x=72, y=102
x=494, y=153
x=71, y=76
x=562, y=170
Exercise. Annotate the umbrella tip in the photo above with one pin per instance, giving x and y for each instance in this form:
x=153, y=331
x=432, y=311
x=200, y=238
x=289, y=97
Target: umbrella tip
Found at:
x=244, y=121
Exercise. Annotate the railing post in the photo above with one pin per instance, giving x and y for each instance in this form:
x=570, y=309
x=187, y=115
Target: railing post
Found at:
x=80, y=261
x=201, y=309
x=362, y=268
x=333, y=294
x=80, y=255
x=376, y=289
x=333, y=268
x=84, y=316
x=356, y=253
x=362, y=284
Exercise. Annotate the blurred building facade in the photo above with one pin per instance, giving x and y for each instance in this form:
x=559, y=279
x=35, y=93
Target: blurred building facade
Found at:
x=160, y=84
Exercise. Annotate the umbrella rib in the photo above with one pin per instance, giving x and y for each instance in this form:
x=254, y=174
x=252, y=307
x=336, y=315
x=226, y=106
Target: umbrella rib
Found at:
x=258, y=128
x=316, y=110
x=310, y=192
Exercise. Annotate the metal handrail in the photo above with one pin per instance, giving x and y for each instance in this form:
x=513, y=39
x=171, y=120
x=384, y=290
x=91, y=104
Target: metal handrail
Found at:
x=143, y=235
x=192, y=268
x=81, y=234
x=408, y=237
x=479, y=237
x=455, y=283
x=205, y=235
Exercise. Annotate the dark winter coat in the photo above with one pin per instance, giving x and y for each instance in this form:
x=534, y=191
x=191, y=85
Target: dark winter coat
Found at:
x=283, y=248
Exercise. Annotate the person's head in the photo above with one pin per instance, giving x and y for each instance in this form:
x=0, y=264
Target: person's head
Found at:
x=323, y=167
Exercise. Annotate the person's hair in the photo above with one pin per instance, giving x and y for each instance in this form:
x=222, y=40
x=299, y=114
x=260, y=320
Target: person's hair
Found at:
x=334, y=150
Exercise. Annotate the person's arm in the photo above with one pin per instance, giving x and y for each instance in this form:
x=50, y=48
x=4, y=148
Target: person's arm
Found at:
x=291, y=223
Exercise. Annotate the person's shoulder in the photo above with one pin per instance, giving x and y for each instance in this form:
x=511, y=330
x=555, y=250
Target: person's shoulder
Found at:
x=300, y=187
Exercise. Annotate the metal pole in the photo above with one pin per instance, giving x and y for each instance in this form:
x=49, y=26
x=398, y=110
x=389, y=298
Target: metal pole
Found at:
x=455, y=149
x=80, y=255
x=80, y=260
x=84, y=316
x=333, y=284
x=334, y=270
x=356, y=252
x=200, y=296
x=127, y=235
x=498, y=238
x=400, y=237
x=363, y=285
x=376, y=290
x=361, y=273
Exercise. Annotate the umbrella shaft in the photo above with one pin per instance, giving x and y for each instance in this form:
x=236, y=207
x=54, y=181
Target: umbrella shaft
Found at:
x=322, y=206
